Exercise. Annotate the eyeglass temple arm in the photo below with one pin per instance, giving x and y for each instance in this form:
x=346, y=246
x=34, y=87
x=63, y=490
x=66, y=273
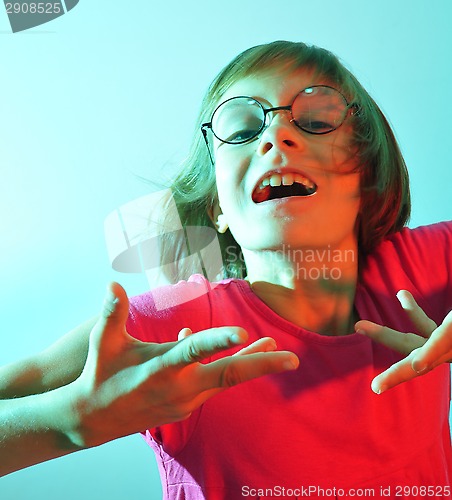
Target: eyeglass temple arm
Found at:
x=204, y=134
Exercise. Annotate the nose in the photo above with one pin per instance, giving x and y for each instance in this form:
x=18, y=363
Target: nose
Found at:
x=281, y=134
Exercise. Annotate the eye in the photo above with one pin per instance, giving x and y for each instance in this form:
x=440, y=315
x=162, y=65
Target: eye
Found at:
x=240, y=127
x=242, y=135
x=317, y=126
x=238, y=120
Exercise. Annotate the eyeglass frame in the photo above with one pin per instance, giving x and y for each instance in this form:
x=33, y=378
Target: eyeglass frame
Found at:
x=266, y=111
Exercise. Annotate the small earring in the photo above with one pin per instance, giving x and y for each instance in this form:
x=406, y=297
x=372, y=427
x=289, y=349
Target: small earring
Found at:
x=222, y=225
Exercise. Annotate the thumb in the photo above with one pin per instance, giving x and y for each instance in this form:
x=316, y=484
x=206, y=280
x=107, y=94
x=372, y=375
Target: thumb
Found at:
x=116, y=304
x=109, y=332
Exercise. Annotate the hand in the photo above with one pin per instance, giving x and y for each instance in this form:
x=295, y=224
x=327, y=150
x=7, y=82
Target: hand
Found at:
x=128, y=386
x=430, y=347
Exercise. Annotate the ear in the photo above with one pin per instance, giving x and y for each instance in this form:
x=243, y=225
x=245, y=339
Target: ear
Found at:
x=218, y=218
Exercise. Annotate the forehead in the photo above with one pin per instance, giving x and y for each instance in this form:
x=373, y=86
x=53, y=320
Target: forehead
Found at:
x=275, y=86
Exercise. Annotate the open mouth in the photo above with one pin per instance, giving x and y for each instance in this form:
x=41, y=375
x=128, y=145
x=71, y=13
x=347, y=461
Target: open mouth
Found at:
x=276, y=185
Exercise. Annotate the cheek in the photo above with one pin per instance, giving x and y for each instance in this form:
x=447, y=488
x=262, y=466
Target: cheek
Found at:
x=350, y=181
x=232, y=153
x=226, y=180
x=343, y=156
x=341, y=190
x=346, y=196
x=231, y=165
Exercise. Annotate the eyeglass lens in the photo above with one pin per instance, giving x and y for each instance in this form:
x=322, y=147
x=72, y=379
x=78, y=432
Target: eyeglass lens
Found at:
x=317, y=110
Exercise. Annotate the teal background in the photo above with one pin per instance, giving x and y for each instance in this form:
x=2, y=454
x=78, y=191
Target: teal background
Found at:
x=108, y=93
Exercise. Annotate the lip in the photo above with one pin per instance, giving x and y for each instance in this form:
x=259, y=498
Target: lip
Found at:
x=283, y=201
x=282, y=171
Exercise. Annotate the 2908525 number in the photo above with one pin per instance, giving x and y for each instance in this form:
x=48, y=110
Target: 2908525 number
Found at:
x=33, y=8
x=422, y=491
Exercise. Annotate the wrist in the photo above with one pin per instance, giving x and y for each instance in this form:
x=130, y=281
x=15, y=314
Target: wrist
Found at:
x=79, y=420
x=90, y=421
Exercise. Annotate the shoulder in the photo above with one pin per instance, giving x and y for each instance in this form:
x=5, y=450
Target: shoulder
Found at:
x=167, y=297
x=423, y=235
x=195, y=292
x=413, y=244
x=440, y=232
x=188, y=303
x=418, y=260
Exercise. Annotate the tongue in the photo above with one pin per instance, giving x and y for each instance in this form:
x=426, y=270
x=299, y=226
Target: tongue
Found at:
x=261, y=195
x=275, y=192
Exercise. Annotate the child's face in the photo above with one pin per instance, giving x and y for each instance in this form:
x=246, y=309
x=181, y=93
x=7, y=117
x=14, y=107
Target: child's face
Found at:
x=327, y=217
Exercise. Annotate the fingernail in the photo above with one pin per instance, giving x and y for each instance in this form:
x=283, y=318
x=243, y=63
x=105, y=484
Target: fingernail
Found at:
x=271, y=346
x=110, y=300
x=235, y=339
x=361, y=332
x=420, y=368
x=290, y=364
x=380, y=390
x=403, y=299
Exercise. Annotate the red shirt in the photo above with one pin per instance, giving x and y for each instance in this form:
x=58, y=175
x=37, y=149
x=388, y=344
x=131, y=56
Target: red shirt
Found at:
x=319, y=431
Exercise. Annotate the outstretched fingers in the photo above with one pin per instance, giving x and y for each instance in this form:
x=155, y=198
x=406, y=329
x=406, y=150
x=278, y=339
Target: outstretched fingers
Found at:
x=423, y=354
x=253, y=361
x=195, y=382
x=395, y=374
x=234, y=370
x=265, y=344
x=398, y=341
x=192, y=348
x=423, y=324
x=230, y=371
x=438, y=348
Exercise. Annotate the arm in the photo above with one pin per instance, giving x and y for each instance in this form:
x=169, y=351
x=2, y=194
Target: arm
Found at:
x=34, y=429
x=58, y=365
x=425, y=350
x=35, y=414
x=125, y=386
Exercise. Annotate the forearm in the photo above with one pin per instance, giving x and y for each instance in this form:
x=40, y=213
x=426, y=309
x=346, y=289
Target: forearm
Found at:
x=21, y=379
x=55, y=367
x=35, y=429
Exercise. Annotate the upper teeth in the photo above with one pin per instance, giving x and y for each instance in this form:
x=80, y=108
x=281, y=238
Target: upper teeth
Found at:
x=288, y=179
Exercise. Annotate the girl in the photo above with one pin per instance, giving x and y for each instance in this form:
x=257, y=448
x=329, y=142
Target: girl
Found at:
x=302, y=177
x=307, y=183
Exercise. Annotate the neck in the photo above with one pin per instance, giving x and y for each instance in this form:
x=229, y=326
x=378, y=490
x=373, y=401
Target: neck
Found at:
x=313, y=288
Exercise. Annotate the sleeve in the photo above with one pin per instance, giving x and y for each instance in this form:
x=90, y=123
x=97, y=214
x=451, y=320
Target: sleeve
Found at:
x=418, y=260
x=159, y=315
x=426, y=257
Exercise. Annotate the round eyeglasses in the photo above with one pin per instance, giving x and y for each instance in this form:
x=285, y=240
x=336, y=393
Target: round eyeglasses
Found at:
x=318, y=109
